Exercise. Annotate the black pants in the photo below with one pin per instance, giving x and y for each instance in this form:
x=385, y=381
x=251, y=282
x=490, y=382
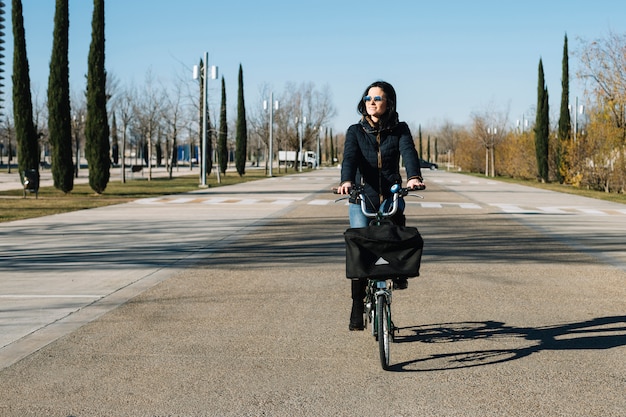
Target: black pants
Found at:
x=358, y=289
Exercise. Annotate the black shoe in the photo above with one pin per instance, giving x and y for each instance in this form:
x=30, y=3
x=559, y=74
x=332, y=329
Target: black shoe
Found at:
x=400, y=283
x=356, y=316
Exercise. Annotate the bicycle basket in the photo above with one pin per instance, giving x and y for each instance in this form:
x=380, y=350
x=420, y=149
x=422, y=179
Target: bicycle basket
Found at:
x=383, y=251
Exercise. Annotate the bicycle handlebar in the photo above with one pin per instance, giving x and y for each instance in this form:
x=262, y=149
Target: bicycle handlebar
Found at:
x=356, y=192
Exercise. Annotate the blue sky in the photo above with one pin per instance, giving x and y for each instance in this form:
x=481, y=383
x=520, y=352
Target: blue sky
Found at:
x=446, y=59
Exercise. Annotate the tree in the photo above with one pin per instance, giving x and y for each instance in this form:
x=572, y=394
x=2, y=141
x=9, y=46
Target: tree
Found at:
x=565, y=124
x=204, y=102
x=1, y=68
x=450, y=136
x=97, y=146
x=59, y=111
x=25, y=132
x=126, y=110
x=149, y=111
x=241, y=135
x=115, y=143
x=172, y=115
x=603, y=66
x=542, y=126
x=489, y=128
x=222, y=145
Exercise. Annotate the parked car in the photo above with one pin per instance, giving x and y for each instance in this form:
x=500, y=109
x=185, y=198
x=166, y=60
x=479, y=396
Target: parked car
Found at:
x=429, y=165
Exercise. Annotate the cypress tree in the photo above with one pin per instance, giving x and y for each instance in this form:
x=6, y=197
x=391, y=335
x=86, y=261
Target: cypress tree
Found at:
x=97, y=145
x=241, y=138
x=542, y=126
x=59, y=111
x=1, y=65
x=209, y=139
x=25, y=132
x=222, y=146
x=565, y=124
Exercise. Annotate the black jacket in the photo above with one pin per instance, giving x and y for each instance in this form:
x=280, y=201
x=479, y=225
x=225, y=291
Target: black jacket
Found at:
x=362, y=153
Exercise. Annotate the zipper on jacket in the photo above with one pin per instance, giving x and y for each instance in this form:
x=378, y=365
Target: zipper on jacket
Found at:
x=380, y=168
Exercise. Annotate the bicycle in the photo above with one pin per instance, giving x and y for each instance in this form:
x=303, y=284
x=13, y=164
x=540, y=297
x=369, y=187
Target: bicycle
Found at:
x=380, y=285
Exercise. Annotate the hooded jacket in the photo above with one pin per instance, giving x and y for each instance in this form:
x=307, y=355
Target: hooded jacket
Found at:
x=372, y=157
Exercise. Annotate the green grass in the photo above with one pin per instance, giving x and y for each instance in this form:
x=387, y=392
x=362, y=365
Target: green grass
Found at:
x=52, y=201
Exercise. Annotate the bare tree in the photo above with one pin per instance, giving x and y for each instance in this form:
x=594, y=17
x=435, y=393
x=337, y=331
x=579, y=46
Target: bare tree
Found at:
x=125, y=108
x=449, y=135
x=304, y=111
x=79, y=112
x=258, y=122
x=489, y=128
x=603, y=67
x=173, y=117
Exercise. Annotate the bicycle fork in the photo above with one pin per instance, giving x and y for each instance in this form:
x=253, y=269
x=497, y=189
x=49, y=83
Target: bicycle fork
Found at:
x=370, y=306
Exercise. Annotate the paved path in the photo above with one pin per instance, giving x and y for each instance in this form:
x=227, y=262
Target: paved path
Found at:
x=232, y=302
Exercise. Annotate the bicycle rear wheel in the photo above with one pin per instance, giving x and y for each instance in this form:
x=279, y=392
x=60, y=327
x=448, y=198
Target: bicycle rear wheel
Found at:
x=383, y=324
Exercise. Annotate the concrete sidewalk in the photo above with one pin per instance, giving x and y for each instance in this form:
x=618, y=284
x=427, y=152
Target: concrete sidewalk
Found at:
x=60, y=272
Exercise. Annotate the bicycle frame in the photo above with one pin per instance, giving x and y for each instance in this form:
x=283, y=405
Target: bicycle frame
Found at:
x=378, y=293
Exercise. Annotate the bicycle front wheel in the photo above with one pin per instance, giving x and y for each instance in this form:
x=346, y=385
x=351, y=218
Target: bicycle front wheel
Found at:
x=383, y=323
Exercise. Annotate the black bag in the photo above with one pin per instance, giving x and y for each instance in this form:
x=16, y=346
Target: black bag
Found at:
x=383, y=251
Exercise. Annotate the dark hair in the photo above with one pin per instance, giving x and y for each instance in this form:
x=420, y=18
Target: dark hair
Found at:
x=390, y=117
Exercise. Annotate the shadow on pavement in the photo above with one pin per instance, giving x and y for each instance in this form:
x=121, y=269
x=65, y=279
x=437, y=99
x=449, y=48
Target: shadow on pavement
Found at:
x=596, y=334
x=283, y=241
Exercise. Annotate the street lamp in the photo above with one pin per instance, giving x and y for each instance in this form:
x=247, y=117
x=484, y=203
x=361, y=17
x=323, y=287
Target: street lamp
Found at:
x=523, y=124
x=577, y=110
x=300, y=134
x=492, y=132
x=318, y=157
x=205, y=118
x=271, y=138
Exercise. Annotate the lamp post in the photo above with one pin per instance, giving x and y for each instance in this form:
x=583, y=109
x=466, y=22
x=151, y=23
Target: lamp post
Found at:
x=273, y=105
x=522, y=124
x=205, y=118
x=577, y=110
x=491, y=131
x=300, y=134
x=318, y=158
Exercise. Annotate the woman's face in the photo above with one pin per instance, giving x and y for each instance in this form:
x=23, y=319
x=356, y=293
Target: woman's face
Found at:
x=375, y=103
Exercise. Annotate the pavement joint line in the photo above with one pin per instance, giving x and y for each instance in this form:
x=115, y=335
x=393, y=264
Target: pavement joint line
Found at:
x=25, y=296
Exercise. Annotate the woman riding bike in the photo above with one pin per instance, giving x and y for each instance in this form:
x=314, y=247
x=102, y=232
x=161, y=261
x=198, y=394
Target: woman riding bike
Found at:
x=371, y=157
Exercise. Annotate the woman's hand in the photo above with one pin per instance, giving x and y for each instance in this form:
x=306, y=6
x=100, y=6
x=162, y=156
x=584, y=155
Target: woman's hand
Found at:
x=414, y=183
x=344, y=188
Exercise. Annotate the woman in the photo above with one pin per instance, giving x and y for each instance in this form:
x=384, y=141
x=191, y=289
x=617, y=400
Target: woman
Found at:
x=371, y=156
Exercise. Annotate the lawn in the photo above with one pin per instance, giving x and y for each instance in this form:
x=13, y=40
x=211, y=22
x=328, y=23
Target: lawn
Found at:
x=52, y=201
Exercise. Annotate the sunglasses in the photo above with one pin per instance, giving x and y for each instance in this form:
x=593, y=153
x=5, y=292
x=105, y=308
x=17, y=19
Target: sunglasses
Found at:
x=370, y=98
